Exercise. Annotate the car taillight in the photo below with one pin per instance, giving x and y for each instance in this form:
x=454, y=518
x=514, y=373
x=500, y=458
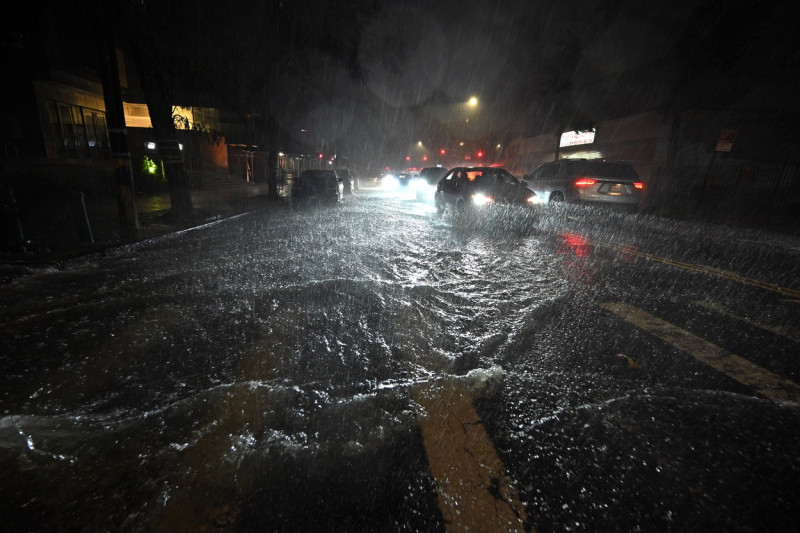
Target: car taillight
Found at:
x=638, y=185
x=585, y=182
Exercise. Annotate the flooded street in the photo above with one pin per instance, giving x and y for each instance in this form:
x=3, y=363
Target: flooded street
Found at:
x=299, y=369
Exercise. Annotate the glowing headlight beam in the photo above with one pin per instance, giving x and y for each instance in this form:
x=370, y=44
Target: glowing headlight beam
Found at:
x=481, y=199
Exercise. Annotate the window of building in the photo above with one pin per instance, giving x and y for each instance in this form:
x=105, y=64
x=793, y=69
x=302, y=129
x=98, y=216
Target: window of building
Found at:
x=81, y=133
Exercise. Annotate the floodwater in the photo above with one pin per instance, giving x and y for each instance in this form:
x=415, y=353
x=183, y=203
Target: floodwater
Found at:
x=259, y=374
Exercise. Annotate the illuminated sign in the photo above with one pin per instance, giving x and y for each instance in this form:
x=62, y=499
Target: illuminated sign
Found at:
x=575, y=138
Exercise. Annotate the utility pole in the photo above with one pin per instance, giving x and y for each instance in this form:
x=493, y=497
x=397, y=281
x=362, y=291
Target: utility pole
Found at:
x=117, y=131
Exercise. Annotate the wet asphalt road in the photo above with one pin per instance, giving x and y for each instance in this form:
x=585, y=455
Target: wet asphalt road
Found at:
x=315, y=369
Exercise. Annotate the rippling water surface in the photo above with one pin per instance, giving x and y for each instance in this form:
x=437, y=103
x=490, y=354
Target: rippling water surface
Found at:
x=237, y=375
x=254, y=356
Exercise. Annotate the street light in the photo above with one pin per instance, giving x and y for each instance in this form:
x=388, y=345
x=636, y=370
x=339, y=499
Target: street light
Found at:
x=473, y=101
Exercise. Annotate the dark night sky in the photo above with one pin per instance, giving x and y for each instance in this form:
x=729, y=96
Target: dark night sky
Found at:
x=372, y=77
x=395, y=72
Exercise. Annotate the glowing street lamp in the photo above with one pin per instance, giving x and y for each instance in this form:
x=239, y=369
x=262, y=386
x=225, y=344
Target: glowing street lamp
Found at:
x=473, y=101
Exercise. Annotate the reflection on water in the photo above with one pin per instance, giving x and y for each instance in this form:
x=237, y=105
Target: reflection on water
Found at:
x=575, y=252
x=575, y=244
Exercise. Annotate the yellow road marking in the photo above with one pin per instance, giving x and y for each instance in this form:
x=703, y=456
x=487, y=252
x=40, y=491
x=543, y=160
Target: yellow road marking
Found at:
x=703, y=269
x=208, y=497
x=761, y=380
x=784, y=331
x=474, y=491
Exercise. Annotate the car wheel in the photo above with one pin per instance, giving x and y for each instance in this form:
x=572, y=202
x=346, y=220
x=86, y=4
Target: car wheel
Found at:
x=557, y=198
x=439, y=205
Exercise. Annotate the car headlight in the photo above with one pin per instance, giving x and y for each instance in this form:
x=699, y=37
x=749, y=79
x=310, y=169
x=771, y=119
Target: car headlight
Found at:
x=481, y=199
x=533, y=200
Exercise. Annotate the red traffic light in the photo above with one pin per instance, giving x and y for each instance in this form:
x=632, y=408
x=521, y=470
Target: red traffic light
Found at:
x=480, y=154
x=442, y=151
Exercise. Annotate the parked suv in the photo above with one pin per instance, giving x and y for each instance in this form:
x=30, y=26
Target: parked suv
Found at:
x=317, y=186
x=579, y=180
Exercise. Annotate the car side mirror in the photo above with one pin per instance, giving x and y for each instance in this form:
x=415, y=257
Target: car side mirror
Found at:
x=524, y=183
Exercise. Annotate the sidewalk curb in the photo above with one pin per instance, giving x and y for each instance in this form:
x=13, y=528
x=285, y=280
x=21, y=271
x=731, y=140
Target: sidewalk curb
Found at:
x=15, y=265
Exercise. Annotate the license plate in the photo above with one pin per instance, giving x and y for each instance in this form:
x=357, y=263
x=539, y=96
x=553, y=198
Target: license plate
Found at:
x=615, y=189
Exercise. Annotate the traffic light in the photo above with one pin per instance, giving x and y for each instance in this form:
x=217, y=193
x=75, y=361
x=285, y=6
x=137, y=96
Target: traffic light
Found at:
x=480, y=154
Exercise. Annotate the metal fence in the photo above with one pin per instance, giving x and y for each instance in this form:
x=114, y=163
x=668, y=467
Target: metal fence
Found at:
x=741, y=183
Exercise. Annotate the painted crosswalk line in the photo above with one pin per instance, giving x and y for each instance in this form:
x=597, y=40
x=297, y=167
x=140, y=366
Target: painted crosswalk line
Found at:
x=763, y=381
x=473, y=489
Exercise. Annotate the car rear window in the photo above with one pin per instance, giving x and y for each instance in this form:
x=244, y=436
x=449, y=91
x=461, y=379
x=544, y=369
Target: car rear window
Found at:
x=609, y=170
x=431, y=174
x=317, y=180
x=485, y=177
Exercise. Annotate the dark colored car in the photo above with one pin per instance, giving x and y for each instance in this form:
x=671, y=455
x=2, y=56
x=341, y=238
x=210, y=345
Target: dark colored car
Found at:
x=318, y=186
x=580, y=180
x=432, y=175
x=403, y=178
x=428, y=180
x=475, y=188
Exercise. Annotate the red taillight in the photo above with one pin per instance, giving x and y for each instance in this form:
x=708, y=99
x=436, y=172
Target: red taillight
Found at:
x=638, y=185
x=584, y=182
